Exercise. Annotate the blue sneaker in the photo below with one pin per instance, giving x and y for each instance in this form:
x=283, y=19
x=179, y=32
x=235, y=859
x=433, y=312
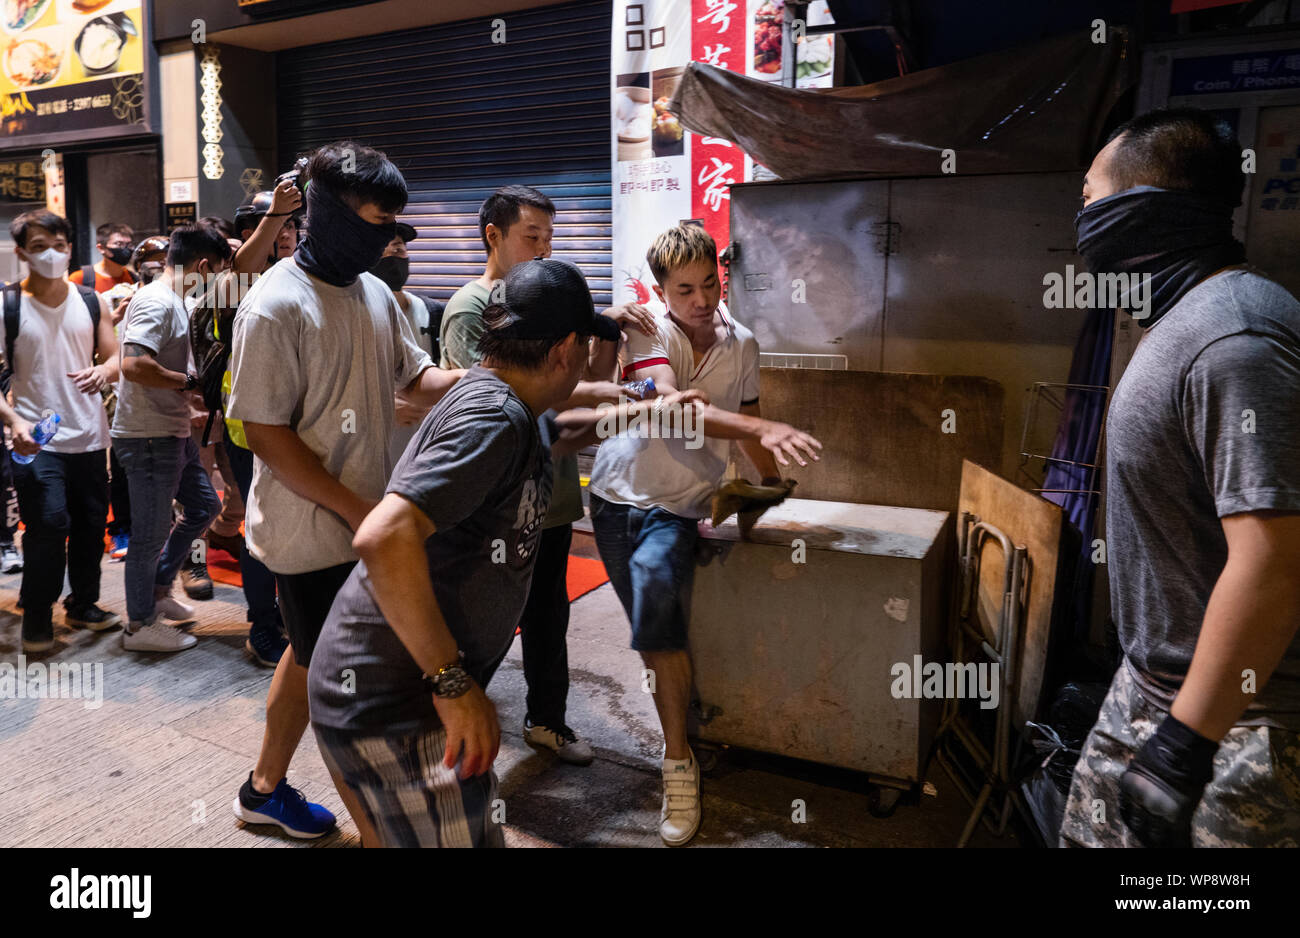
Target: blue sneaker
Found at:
x=120, y=543
x=285, y=807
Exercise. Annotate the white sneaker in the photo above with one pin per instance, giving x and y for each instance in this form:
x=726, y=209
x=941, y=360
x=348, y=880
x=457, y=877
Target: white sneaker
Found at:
x=11, y=561
x=680, y=818
x=563, y=741
x=169, y=607
x=154, y=636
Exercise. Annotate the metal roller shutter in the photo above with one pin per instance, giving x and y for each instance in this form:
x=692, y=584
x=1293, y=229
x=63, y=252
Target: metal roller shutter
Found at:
x=461, y=116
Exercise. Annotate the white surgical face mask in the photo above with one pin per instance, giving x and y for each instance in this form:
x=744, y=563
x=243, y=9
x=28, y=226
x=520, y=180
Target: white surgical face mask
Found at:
x=50, y=263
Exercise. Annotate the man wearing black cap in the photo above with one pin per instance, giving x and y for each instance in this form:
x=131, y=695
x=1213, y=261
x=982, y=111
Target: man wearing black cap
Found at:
x=516, y=224
x=397, y=678
x=422, y=314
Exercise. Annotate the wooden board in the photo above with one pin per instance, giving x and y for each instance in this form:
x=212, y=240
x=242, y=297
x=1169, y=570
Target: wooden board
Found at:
x=1029, y=520
x=883, y=432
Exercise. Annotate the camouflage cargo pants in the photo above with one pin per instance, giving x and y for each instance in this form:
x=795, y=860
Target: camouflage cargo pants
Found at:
x=1253, y=800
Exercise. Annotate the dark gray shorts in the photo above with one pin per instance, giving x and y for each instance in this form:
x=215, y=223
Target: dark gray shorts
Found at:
x=410, y=798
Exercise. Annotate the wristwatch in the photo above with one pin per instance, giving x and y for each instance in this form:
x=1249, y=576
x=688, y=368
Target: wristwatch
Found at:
x=191, y=381
x=451, y=681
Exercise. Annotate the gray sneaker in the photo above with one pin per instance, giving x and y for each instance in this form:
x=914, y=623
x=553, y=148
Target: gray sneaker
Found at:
x=561, y=740
x=154, y=636
x=10, y=560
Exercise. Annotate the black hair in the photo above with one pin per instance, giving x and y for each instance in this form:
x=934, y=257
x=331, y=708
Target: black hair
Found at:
x=39, y=218
x=110, y=228
x=501, y=208
x=1182, y=148
x=357, y=174
x=497, y=350
x=226, y=228
x=189, y=243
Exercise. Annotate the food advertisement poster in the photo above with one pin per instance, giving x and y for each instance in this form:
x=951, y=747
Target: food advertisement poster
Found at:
x=70, y=65
x=663, y=174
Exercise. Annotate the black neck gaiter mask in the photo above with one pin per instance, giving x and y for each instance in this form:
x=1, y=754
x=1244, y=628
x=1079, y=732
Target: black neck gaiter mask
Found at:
x=340, y=245
x=1176, y=238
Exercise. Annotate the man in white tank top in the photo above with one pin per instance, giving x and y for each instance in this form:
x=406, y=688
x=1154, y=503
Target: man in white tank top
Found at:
x=63, y=491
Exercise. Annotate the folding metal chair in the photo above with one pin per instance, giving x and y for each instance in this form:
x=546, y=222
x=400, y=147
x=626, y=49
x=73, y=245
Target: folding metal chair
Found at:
x=967, y=639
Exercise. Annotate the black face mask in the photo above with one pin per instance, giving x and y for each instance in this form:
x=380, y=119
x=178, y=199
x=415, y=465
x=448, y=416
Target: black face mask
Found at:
x=393, y=270
x=119, y=255
x=1176, y=238
x=340, y=245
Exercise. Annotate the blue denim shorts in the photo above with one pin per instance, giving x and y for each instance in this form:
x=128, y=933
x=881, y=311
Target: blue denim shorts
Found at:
x=649, y=555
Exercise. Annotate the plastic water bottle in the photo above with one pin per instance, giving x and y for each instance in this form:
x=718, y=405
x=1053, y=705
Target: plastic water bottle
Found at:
x=640, y=389
x=42, y=433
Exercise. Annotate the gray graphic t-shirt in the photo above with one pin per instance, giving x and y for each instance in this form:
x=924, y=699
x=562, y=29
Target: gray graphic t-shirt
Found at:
x=1205, y=423
x=481, y=470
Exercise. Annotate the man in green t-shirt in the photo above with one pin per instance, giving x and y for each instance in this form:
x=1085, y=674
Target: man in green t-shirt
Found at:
x=516, y=224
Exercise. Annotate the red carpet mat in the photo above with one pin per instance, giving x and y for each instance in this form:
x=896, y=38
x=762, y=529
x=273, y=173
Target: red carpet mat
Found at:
x=585, y=573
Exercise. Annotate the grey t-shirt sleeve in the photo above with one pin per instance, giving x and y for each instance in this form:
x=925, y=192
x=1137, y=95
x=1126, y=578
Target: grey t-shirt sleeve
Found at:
x=148, y=323
x=265, y=372
x=454, y=465
x=1238, y=407
x=410, y=359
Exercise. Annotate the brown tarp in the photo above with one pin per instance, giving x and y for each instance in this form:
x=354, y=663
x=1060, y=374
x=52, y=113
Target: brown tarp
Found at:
x=1036, y=108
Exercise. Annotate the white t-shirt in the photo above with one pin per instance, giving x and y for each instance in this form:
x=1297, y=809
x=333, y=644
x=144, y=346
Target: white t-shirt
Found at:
x=667, y=473
x=157, y=320
x=417, y=317
x=324, y=361
x=51, y=342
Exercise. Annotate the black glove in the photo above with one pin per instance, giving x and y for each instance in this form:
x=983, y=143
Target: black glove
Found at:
x=1160, y=791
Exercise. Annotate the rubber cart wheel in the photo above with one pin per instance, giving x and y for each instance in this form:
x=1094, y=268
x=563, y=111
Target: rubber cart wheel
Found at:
x=881, y=802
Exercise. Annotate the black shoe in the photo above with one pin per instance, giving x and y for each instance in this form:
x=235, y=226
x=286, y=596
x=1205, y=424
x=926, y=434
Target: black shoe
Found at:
x=89, y=616
x=266, y=644
x=38, y=630
x=196, y=582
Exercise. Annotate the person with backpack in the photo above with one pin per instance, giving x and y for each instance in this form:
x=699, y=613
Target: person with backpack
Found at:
x=267, y=225
x=425, y=316
x=52, y=332
x=113, y=240
x=147, y=261
x=152, y=435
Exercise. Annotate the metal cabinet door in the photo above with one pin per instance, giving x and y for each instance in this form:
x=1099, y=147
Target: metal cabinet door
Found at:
x=809, y=277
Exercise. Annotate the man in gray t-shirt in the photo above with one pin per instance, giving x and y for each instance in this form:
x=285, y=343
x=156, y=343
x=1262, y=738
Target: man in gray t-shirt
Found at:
x=152, y=440
x=516, y=224
x=1198, y=740
x=320, y=347
x=446, y=561
x=479, y=470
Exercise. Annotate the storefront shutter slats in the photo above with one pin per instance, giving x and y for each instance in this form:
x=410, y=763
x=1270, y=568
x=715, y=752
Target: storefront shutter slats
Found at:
x=461, y=115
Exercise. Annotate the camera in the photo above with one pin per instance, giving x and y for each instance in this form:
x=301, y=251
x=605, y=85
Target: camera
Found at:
x=294, y=175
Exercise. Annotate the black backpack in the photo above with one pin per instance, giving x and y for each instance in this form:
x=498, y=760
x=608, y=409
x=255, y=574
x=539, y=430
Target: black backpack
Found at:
x=13, y=298
x=211, y=325
x=435, y=323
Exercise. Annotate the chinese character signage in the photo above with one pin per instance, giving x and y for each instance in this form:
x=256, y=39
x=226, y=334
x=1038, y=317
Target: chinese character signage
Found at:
x=663, y=174
x=181, y=213
x=1228, y=74
x=21, y=181
x=70, y=65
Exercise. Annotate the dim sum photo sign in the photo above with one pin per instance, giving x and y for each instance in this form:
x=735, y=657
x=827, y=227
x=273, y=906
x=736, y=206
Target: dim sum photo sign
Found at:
x=661, y=173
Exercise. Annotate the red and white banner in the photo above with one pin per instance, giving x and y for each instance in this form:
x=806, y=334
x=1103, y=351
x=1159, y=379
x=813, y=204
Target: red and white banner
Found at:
x=662, y=174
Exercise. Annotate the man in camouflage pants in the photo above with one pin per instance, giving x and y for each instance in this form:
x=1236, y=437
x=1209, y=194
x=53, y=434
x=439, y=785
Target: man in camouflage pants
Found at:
x=1196, y=743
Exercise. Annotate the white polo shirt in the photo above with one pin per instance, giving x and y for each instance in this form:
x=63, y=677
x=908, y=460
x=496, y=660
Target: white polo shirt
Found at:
x=667, y=473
